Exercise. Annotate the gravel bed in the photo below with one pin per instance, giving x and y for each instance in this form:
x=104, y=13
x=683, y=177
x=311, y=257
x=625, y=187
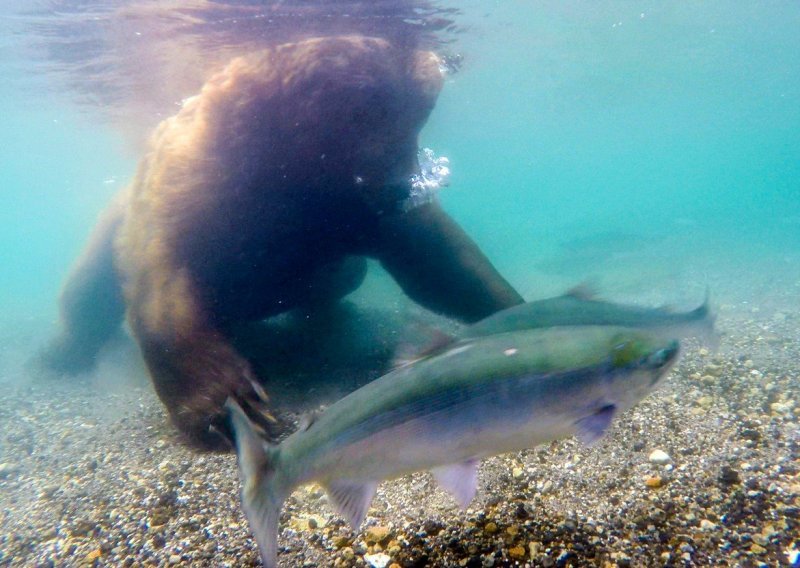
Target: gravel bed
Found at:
x=704, y=472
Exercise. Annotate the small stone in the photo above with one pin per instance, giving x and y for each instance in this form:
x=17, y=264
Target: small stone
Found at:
x=707, y=525
x=705, y=401
x=728, y=476
x=379, y=560
x=93, y=555
x=782, y=407
x=513, y=530
x=490, y=528
x=517, y=552
x=174, y=559
x=432, y=527
x=348, y=553
x=7, y=470
x=654, y=482
x=517, y=472
x=377, y=535
x=757, y=549
x=316, y=522
x=159, y=517
x=659, y=457
x=340, y=541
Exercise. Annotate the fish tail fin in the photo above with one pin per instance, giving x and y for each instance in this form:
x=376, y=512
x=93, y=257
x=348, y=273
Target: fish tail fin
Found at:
x=263, y=487
x=706, y=313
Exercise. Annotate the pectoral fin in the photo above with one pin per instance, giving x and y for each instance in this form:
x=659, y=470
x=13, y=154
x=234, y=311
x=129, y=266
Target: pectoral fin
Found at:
x=592, y=428
x=351, y=499
x=459, y=479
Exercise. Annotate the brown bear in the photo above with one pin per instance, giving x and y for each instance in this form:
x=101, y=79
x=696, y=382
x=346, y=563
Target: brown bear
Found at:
x=265, y=193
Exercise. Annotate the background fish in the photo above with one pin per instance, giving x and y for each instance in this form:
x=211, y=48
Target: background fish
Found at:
x=578, y=307
x=481, y=397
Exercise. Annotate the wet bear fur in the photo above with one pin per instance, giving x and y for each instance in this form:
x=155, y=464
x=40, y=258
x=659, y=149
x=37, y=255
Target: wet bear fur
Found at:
x=265, y=193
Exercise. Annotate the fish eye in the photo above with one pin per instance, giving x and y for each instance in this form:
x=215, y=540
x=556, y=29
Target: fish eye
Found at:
x=663, y=356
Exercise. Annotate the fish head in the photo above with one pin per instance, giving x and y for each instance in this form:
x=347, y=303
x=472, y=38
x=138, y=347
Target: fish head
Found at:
x=635, y=366
x=638, y=362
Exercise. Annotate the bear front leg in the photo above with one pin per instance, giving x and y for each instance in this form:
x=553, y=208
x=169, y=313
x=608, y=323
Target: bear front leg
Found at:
x=193, y=365
x=439, y=266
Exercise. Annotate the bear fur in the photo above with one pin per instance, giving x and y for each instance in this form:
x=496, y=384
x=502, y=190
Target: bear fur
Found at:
x=265, y=193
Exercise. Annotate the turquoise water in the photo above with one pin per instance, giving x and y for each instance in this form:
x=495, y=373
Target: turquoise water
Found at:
x=667, y=123
x=654, y=119
x=648, y=148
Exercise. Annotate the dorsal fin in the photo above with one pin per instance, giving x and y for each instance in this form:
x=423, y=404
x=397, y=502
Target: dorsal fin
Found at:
x=583, y=291
x=407, y=354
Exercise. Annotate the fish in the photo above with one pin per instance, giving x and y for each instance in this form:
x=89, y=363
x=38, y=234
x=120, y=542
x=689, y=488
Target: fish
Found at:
x=577, y=307
x=481, y=397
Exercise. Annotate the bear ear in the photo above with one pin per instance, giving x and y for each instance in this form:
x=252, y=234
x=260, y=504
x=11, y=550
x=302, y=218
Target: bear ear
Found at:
x=428, y=75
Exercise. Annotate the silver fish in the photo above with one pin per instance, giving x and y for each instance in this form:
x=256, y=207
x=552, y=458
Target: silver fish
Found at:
x=485, y=396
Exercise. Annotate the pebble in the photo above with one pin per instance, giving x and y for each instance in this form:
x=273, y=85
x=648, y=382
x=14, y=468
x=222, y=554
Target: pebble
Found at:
x=782, y=407
x=379, y=560
x=705, y=402
x=659, y=457
x=654, y=482
x=517, y=552
x=7, y=469
x=707, y=525
x=377, y=535
x=340, y=541
x=734, y=471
